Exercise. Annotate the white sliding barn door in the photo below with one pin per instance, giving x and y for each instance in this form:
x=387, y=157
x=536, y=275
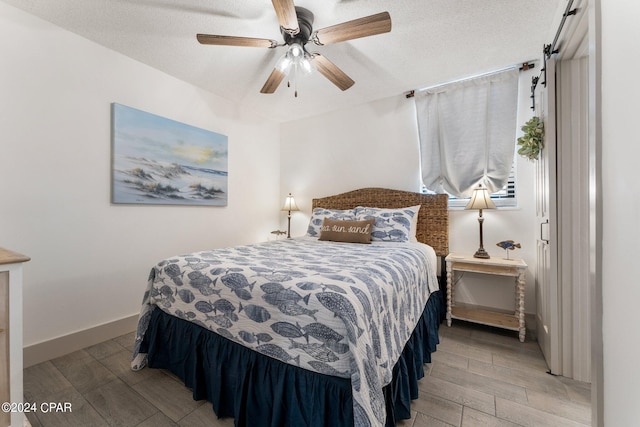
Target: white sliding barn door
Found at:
x=573, y=216
x=564, y=195
x=562, y=211
x=547, y=292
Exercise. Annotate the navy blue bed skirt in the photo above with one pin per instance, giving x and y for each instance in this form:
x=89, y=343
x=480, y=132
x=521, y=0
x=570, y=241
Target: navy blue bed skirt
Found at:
x=257, y=390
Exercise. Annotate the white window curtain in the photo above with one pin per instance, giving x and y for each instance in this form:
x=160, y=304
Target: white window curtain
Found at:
x=467, y=133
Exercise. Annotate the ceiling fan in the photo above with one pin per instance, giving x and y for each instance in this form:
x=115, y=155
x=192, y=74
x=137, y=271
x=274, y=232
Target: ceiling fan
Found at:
x=296, y=26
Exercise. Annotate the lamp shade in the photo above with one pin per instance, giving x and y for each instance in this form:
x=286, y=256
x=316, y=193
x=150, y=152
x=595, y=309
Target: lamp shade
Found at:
x=290, y=204
x=480, y=199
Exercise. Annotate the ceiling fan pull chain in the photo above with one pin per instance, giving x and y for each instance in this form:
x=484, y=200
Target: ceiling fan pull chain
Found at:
x=295, y=80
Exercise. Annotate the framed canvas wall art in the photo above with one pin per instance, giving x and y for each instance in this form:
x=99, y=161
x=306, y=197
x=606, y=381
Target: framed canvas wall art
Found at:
x=159, y=161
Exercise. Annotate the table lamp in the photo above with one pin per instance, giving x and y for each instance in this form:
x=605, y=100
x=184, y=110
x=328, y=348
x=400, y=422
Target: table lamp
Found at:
x=480, y=199
x=289, y=206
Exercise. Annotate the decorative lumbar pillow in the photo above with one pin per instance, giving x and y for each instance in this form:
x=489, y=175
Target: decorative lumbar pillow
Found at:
x=391, y=225
x=319, y=214
x=337, y=230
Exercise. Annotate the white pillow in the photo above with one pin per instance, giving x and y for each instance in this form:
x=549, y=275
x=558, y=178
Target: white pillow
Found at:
x=319, y=214
x=391, y=225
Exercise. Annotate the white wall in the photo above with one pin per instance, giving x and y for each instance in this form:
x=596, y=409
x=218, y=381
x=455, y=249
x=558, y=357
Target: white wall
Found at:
x=91, y=259
x=376, y=145
x=621, y=210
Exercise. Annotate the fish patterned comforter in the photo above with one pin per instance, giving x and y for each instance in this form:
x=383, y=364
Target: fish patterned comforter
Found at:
x=340, y=309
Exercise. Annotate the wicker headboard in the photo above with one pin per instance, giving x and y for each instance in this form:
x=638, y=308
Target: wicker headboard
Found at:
x=433, y=217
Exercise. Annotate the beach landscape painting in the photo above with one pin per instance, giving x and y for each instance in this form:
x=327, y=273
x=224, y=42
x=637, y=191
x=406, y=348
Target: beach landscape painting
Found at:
x=159, y=161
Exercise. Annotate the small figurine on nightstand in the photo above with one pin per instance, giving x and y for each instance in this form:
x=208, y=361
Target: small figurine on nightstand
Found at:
x=278, y=233
x=508, y=245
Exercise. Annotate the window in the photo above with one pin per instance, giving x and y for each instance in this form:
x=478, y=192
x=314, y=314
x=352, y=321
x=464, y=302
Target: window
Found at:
x=505, y=197
x=467, y=134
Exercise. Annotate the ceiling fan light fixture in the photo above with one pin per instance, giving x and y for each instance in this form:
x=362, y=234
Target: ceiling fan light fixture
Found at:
x=297, y=59
x=306, y=64
x=296, y=50
x=284, y=63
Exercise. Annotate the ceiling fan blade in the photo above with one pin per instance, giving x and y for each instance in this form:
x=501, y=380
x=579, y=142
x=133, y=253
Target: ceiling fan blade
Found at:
x=332, y=72
x=361, y=27
x=235, y=41
x=272, y=83
x=287, y=17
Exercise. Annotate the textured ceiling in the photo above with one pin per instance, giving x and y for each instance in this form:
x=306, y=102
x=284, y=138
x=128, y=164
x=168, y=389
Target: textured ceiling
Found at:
x=431, y=42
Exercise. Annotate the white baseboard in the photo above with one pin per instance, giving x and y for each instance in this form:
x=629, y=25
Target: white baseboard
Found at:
x=47, y=350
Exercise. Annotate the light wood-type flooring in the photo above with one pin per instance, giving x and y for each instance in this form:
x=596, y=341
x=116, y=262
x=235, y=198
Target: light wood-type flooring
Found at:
x=478, y=377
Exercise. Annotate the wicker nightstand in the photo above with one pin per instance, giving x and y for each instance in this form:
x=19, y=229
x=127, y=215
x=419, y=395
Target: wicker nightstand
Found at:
x=497, y=266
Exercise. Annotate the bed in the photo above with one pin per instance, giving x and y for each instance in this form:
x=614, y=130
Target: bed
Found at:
x=309, y=331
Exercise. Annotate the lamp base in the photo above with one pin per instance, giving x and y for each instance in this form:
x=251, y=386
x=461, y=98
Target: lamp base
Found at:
x=481, y=253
